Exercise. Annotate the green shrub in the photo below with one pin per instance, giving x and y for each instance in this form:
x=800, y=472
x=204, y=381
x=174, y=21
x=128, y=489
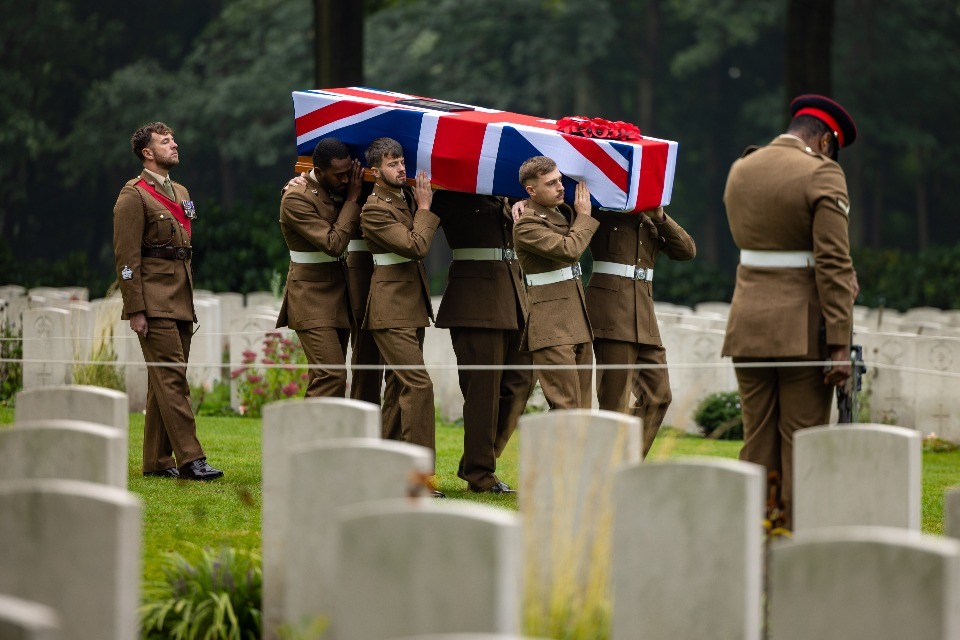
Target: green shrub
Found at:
x=719, y=416
x=11, y=367
x=219, y=599
x=281, y=379
x=211, y=399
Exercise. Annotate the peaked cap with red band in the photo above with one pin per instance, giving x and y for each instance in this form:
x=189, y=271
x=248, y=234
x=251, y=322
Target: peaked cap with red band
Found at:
x=828, y=112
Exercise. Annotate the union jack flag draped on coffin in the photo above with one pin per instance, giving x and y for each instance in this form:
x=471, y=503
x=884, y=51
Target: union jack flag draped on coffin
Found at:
x=478, y=150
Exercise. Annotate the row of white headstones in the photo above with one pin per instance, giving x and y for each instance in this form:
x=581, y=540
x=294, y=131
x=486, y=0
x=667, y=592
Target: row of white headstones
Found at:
x=669, y=549
x=913, y=358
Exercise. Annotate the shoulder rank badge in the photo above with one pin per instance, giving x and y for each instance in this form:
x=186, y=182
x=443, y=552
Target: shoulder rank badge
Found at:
x=126, y=273
x=189, y=209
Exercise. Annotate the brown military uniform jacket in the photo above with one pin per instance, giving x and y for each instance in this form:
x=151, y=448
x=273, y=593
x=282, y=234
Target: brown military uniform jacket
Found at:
x=785, y=197
x=545, y=241
x=486, y=294
x=157, y=287
x=399, y=293
x=621, y=308
x=311, y=220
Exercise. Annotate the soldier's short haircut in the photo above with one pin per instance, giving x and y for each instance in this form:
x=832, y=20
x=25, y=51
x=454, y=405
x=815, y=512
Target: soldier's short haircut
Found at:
x=382, y=148
x=534, y=168
x=328, y=150
x=141, y=137
x=806, y=125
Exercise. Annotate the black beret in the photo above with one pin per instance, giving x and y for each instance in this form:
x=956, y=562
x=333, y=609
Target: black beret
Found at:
x=828, y=112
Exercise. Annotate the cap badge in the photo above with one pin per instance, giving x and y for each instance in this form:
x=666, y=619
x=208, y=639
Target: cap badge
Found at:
x=126, y=273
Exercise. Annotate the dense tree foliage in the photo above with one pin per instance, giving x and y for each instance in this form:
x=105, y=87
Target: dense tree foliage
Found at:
x=715, y=75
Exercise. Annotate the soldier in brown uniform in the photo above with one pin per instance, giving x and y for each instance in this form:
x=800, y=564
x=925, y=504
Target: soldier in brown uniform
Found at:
x=316, y=223
x=549, y=240
x=620, y=306
x=483, y=306
x=151, y=244
x=398, y=308
x=788, y=208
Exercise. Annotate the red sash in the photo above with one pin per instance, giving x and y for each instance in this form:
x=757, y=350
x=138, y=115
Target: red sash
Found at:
x=173, y=207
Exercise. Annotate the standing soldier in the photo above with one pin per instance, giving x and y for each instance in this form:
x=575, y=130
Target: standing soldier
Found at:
x=788, y=209
x=620, y=306
x=316, y=223
x=549, y=240
x=399, y=228
x=483, y=306
x=151, y=245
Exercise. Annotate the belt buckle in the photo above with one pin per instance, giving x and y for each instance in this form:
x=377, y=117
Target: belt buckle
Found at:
x=577, y=271
x=181, y=253
x=508, y=254
x=639, y=273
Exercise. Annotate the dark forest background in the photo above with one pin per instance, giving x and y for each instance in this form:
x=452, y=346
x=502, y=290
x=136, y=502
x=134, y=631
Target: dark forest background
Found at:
x=76, y=78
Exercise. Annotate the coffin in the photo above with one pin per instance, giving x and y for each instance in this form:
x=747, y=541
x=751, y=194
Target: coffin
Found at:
x=477, y=150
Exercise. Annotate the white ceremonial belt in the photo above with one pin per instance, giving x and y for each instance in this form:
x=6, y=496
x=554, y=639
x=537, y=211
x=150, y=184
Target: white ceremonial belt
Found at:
x=387, y=259
x=550, y=277
x=357, y=245
x=310, y=257
x=778, y=259
x=624, y=270
x=485, y=253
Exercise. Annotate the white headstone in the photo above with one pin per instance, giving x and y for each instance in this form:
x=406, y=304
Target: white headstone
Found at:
x=951, y=512
x=15, y=308
x=567, y=464
x=856, y=475
x=74, y=402
x=287, y=427
x=263, y=299
x=75, y=547
x=231, y=306
x=890, y=385
x=323, y=477
x=441, y=361
x=247, y=333
x=688, y=549
x=439, y=568
x=64, y=449
x=696, y=370
x=130, y=356
x=47, y=348
x=27, y=620
x=865, y=582
x=469, y=636
x=937, y=404
x=206, y=350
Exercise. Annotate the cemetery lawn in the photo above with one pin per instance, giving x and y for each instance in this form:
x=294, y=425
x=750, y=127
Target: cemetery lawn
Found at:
x=186, y=517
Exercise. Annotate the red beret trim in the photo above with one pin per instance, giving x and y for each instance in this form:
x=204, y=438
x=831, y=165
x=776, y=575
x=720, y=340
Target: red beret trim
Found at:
x=827, y=119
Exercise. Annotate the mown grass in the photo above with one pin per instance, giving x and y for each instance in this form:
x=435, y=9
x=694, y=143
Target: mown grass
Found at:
x=188, y=516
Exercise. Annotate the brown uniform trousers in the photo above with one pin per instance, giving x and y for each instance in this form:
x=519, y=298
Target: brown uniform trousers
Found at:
x=398, y=309
x=623, y=319
x=483, y=306
x=557, y=329
x=315, y=300
x=785, y=197
x=162, y=289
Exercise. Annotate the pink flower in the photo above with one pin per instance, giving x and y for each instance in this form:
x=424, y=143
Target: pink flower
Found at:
x=242, y=409
x=290, y=389
x=269, y=361
x=257, y=391
x=237, y=372
x=254, y=378
x=249, y=354
x=304, y=376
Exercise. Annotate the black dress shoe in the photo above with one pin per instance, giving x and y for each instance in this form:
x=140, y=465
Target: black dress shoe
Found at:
x=164, y=473
x=500, y=488
x=199, y=470
x=438, y=494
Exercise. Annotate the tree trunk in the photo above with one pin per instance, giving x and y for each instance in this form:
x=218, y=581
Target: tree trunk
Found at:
x=338, y=43
x=808, y=47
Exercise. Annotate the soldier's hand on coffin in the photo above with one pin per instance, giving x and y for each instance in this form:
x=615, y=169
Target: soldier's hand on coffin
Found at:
x=296, y=181
x=356, y=182
x=581, y=199
x=422, y=191
x=657, y=215
x=517, y=209
x=839, y=371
